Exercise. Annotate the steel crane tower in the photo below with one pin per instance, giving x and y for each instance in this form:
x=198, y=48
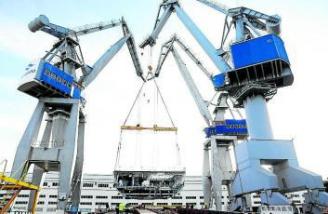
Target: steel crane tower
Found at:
x=57, y=81
x=221, y=171
x=260, y=67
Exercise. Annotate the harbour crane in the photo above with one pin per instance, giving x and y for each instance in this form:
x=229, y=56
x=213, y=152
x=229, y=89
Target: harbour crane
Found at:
x=287, y=175
x=55, y=82
x=260, y=67
x=221, y=171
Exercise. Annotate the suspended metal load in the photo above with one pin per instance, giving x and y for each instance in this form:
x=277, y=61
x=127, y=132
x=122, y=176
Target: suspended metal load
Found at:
x=152, y=181
x=149, y=184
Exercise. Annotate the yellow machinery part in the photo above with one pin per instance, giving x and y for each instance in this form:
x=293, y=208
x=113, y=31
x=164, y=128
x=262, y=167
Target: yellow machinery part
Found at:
x=12, y=184
x=154, y=128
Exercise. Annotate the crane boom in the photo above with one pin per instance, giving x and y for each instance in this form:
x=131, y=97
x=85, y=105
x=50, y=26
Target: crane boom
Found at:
x=132, y=49
x=193, y=57
x=103, y=61
x=173, y=5
x=166, y=47
x=90, y=73
x=92, y=28
x=202, y=106
x=255, y=18
x=215, y=5
x=165, y=50
x=127, y=38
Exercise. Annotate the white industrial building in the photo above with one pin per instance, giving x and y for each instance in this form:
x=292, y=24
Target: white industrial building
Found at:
x=98, y=192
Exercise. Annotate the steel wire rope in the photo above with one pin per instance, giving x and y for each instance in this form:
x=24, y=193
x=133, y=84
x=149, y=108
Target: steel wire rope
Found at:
x=124, y=123
x=138, y=143
x=155, y=148
x=171, y=120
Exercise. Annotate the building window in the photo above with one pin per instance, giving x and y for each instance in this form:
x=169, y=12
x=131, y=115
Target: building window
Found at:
x=40, y=202
x=147, y=204
x=132, y=204
x=190, y=197
x=19, y=208
x=45, y=184
x=117, y=197
x=103, y=185
x=176, y=204
x=101, y=203
x=86, y=203
x=87, y=184
x=54, y=184
x=177, y=197
x=52, y=196
x=86, y=196
x=161, y=204
x=102, y=196
x=201, y=197
x=52, y=202
x=21, y=202
x=23, y=196
x=42, y=196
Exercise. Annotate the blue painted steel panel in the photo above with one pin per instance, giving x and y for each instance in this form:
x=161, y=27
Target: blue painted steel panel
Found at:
x=261, y=49
x=229, y=127
x=218, y=80
x=75, y=92
x=58, y=79
x=55, y=77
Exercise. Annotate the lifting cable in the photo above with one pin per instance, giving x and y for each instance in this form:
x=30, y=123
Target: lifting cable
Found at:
x=164, y=103
x=172, y=123
x=125, y=121
x=155, y=128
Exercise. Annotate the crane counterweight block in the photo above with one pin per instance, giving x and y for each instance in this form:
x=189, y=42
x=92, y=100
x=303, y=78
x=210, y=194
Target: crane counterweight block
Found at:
x=38, y=23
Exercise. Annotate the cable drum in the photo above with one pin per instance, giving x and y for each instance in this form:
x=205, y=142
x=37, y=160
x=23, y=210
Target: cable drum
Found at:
x=148, y=164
